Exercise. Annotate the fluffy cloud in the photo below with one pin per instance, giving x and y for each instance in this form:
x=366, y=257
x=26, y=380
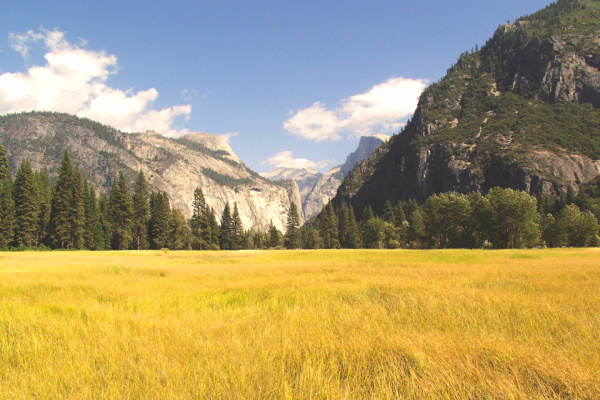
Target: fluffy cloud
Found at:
x=73, y=80
x=380, y=110
x=227, y=136
x=284, y=159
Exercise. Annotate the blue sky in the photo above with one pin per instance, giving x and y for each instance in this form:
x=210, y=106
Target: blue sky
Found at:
x=289, y=83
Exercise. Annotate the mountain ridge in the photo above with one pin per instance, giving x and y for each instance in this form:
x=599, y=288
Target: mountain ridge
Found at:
x=176, y=166
x=521, y=112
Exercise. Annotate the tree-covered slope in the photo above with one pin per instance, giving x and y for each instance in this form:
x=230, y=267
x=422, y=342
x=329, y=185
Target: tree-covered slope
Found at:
x=521, y=112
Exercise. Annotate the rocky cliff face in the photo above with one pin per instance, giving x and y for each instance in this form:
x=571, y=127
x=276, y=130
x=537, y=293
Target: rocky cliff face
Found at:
x=176, y=166
x=317, y=189
x=522, y=113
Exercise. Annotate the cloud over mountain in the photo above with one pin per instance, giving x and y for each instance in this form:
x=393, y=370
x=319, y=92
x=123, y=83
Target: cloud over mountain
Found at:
x=285, y=159
x=382, y=109
x=73, y=80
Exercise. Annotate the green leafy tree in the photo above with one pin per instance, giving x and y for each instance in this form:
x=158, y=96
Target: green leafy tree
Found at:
x=572, y=227
x=292, y=234
x=121, y=213
x=141, y=212
x=514, y=220
x=26, y=205
x=373, y=233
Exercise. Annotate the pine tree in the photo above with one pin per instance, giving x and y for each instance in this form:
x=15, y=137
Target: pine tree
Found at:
x=198, y=221
x=7, y=211
x=26, y=205
x=93, y=233
x=237, y=230
x=328, y=227
x=179, y=233
x=274, y=236
x=388, y=212
x=4, y=165
x=77, y=211
x=212, y=234
x=353, y=234
x=141, y=213
x=343, y=221
x=44, y=200
x=292, y=235
x=60, y=211
x=121, y=213
x=159, y=220
x=103, y=205
x=226, y=229
x=399, y=216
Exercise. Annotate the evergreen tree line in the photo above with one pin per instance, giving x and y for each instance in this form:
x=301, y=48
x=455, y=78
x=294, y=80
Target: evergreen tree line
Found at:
x=504, y=218
x=71, y=215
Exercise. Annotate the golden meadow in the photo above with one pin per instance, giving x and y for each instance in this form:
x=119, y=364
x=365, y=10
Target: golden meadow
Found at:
x=348, y=324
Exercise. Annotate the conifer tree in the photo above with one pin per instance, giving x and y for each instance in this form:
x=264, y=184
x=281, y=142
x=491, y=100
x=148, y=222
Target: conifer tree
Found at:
x=7, y=211
x=212, y=233
x=314, y=240
x=226, y=229
x=353, y=233
x=141, y=213
x=237, y=230
x=103, y=205
x=62, y=199
x=159, y=220
x=77, y=211
x=399, y=216
x=198, y=221
x=179, y=233
x=292, y=235
x=93, y=233
x=26, y=205
x=121, y=213
x=44, y=200
x=388, y=212
x=343, y=221
x=328, y=227
x=4, y=165
x=274, y=236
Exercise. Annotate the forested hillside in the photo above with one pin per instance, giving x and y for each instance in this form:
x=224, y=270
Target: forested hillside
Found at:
x=521, y=112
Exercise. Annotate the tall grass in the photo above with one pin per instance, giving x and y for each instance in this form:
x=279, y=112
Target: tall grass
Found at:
x=300, y=325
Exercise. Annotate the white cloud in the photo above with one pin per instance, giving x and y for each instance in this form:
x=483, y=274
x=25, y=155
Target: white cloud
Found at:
x=380, y=110
x=284, y=159
x=227, y=136
x=73, y=80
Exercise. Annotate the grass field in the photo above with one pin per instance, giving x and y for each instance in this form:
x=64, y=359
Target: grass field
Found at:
x=464, y=324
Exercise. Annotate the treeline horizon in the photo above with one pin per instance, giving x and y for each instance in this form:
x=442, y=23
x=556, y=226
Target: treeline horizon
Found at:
x=71, y=215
